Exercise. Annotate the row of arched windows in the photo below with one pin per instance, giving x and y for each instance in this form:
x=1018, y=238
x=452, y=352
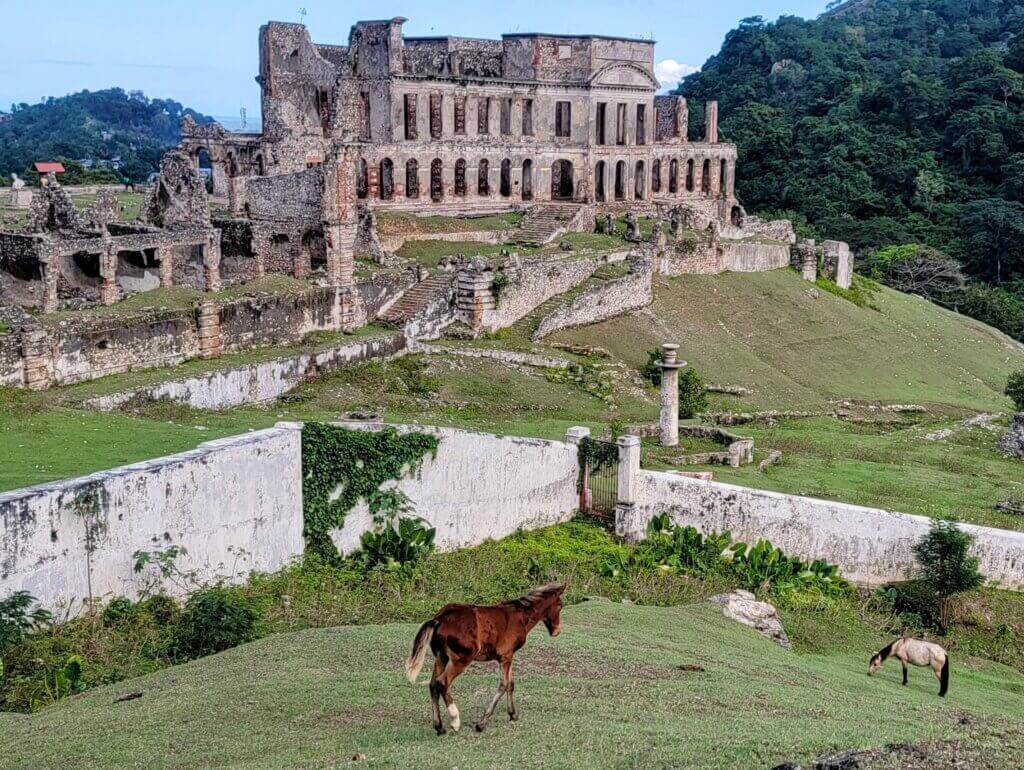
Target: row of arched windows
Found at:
x=672, y=184
x=386, y=183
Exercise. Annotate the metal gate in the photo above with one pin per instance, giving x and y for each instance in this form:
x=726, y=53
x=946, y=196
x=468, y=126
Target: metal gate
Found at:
x=599, y=478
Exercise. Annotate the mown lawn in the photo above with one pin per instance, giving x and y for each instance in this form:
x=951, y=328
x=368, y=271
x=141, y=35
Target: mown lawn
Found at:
x=623, y=686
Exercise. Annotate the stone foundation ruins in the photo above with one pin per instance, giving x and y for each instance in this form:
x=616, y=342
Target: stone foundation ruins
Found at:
x=565, y=129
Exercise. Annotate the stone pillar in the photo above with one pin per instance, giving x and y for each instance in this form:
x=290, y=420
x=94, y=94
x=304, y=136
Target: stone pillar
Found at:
x=473, y=295
x=837, y=263
x=208, y=321
x=670, y=394
x=805, y=259
x=629, y=467
x=711, y=123
x=49, y=271
x=35, y=353
x=165, y=260
x=683, y=119
x=110, y=292
x=211, y=261
x=575, y=436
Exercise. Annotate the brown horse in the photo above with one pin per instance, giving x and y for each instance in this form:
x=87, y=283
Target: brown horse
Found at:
x=461, y=633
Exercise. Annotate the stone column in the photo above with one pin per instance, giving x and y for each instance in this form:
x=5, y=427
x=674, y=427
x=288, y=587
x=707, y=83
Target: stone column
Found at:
x=474, y=297
x=211, y=261
x=804, y=258
x=208, y=321
x=35, y=353
x=629, y=467
x=49, y=271
x=711, y=123
x=575, y=436
x=670, y=394
x=165, y=260
x=110, y=292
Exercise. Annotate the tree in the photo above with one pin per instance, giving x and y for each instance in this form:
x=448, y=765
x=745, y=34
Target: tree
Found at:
x=917, y=270
x=992, y=305
x=693, y=397
x=1015, y=389
x=945, y=566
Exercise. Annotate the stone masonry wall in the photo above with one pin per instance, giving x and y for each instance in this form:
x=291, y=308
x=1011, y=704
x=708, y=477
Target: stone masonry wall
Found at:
x=234, y=504
x=869, y=545
x=611, y=299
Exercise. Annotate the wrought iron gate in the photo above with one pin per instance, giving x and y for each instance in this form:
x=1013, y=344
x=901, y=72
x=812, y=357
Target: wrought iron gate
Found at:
x=599, y=478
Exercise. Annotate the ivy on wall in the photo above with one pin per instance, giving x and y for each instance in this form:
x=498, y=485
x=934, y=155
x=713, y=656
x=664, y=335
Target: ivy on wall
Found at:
x=340, y=467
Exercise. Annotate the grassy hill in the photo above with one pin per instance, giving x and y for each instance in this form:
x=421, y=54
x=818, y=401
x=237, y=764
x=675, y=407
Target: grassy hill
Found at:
x=795, y=351
x=616, y=689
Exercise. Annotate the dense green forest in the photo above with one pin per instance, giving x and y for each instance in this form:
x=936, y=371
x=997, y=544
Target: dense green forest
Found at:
x=98, y=125
x=887, y=123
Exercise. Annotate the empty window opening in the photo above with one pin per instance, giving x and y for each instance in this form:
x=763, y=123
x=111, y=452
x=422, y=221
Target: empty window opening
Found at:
x=563, y=119
x=410, y=116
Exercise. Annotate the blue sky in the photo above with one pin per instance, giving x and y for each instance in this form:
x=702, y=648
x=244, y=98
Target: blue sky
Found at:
x=204, y=54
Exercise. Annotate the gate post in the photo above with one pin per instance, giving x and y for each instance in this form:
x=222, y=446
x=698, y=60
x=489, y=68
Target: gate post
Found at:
x=575, y=436
x=629, y=467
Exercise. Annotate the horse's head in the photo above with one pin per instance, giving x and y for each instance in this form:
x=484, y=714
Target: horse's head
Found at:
x=875, y=664
x=553, y=614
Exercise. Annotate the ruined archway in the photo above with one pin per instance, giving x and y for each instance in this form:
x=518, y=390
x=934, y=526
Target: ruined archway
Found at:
x=723, y=176
x=599, y=175
x=562, y=182
x=705, y=177
x=314, y=248
x=656, y=176
x=527, y=180
x=640, y=181
x=673, y=177
x=505, y=184
x=620, y=180
x=387, y=179
x=689, y=175
x=460, y=178
x=436, y=182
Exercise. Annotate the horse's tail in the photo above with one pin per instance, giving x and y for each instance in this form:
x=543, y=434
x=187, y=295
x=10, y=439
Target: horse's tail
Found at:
x=944, y=677
x=420, y=645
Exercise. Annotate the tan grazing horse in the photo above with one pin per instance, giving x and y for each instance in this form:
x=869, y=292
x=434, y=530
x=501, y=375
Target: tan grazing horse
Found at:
x=461, y=633
x=916, y=652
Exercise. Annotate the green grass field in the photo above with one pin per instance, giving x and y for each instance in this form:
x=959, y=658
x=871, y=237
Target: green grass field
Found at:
x=618, y=688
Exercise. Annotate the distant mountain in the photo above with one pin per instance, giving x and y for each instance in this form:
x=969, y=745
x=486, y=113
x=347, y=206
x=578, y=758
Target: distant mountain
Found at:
x=109, y=128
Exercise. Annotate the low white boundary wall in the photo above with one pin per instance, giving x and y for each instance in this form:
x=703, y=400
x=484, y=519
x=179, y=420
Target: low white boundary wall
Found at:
x=869, y=545
x=234, y=504
x=481, y=486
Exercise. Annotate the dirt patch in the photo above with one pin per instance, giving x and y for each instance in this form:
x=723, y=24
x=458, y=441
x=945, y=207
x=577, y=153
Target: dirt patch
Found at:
x=549, y=662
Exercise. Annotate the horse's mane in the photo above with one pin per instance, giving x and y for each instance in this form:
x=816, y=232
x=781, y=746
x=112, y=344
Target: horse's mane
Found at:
x=535, y=597
x=886, y=651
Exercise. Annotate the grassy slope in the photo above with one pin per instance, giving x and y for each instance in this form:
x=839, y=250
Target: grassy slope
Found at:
x=610, y=687
x=764, y=331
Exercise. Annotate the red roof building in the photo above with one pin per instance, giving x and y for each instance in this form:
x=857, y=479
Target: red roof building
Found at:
x=50, y=168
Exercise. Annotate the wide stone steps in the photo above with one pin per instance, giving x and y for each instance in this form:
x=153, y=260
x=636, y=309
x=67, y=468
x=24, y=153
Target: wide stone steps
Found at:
x=415, y=299
x=542, y=222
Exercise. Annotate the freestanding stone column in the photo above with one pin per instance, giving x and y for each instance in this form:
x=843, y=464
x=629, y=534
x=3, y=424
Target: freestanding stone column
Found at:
x=208, y=321
x=670, y=394
x=711, y=123
x=165, y=260
x=110, y=291
x=211, y=261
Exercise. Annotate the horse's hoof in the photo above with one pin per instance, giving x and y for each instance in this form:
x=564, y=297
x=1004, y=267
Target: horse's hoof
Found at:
x=440, y=730
x=480, y=727
x=513, y=717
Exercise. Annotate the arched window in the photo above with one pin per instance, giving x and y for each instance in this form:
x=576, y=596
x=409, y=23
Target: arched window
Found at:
x=483, y=185
x=640, y=181
x=362, y=180
x=260, y=168
x=412, y=179
x=562, y=180
x=705, y=177
x=620, y=180
x=527, y=188
x=460, y=178
x=656, y=176
x=436, y=183
x=599, y=174
x=723, y=177
x=387, y=179
x=689, y=175
x=505, y=186
x=673, y=177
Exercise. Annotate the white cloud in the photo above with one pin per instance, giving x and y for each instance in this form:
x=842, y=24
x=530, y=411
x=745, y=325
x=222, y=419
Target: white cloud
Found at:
x=669, y=72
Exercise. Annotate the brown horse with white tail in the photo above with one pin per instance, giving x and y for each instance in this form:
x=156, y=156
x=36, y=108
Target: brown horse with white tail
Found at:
x=462, y=633
x=916, y=652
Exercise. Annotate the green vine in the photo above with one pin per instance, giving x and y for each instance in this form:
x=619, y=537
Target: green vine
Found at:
x=340, y=467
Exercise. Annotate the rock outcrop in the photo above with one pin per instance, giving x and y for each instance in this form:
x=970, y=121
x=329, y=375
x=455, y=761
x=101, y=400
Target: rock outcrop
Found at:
x=743, y=607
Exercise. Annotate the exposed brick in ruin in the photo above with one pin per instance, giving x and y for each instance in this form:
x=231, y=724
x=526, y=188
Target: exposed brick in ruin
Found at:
x=711, y=123
x=208, y=321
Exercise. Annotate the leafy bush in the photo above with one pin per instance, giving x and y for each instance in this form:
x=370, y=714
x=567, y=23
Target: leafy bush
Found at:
x=397, y=543
x=946, y=567
x=18, y=617
x=120, y=610
x=161, y=608
x=1015, y=389
x=916, y=269
x=651, y=371
x=501, y=280
x=693, y=397
x=215, y=619
x=992, y=305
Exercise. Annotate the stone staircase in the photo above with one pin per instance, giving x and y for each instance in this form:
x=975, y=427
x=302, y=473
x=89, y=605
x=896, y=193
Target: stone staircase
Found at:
x=527, y=326
x=544, y=222
x=415, y=299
